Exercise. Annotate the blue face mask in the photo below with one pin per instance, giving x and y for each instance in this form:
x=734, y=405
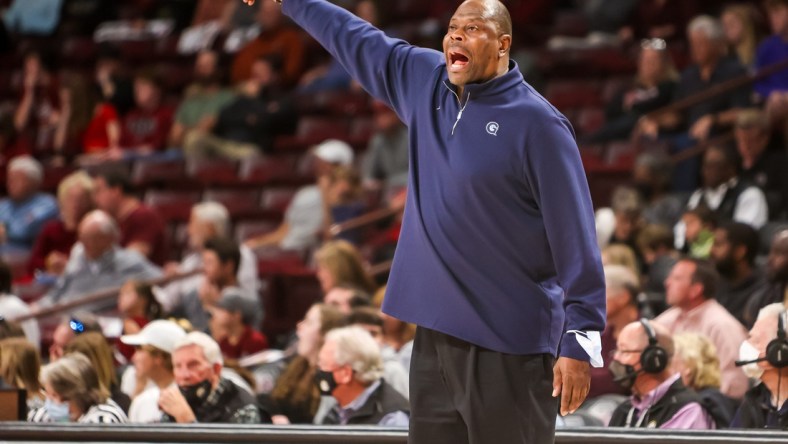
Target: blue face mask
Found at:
x=58, y=411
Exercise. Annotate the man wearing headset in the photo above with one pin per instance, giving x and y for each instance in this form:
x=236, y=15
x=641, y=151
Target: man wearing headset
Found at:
x=659, y=399
x=764, y=356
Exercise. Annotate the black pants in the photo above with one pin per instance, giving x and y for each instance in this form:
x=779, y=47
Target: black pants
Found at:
x=462, y=393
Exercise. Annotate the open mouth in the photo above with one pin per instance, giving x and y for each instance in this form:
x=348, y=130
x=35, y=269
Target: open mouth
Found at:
x=457, y=61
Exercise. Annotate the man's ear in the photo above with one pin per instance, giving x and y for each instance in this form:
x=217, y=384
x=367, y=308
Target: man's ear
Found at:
x=345, y=374
x=504, y=44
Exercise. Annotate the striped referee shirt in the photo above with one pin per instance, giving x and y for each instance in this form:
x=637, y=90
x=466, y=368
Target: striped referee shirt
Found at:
x=106, y=413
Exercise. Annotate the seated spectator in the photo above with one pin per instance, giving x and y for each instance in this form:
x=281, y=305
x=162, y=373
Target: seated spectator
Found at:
x=761, y=164
x=698, y=225
x=232, y=326
x=36, y=113
x=656, y=245
x=95, y=347
x=98, y=263
x=386, y=162
x=697, y=362
x=276, y=38
x=26, y=210
x=146, y=127
x=776, y=279
x=304, y=215
x=152, y=360
x=709, y=67
x=397, y=335
x=733, y=254
x=53, y=245
x=691, y=287
x=642, y=362
x=652, y=178
x=343, y=199
x=620, y=223
x=197, y=113
x=12, y=307
x=730, y=197
x=101, y=140
x=652, y=89
x=621, y=287
x=739, y=21
x=33, y=17
x=20, y=365
x=764, y=406
x=110, y=76
x=202, y=394
x=68, y=329
x=295, y=397
x=221, y=259
x=137, y=306
x=207, y=220
x=370, y=319
x=774, y=88
x=340, y=264
x=141, y=228
x=246, y=126
x=74, y=394
x=351, y=370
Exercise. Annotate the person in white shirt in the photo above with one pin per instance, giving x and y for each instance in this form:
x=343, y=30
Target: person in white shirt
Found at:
x=153, y=361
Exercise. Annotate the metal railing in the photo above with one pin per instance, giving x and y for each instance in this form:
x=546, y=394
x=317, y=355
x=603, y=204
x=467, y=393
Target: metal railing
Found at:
x=228, y=433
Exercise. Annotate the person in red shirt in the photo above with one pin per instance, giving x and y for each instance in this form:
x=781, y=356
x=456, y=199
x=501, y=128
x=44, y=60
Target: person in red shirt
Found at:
x=137, y=306
x=53, y=245
x=102, y=136
x=141, y=228
x=230, y=325
x=146, y=127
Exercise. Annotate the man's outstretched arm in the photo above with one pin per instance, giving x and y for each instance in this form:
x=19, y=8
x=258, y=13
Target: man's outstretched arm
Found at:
x=389, y=69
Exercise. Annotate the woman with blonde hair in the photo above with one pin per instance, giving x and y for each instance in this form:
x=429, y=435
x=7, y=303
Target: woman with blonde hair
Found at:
x=74, y=394
x=295, y=398
x=95, y=347
x=397, y=335
x=695, y=359
x=741, y=32
x=340, y=264
x=620, y=254
x=20, y=366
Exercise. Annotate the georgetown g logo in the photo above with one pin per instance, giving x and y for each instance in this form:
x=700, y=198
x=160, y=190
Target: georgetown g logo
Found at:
x=492, y=128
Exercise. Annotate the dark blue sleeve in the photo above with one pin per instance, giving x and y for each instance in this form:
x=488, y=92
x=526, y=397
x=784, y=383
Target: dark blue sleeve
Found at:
x=391, y=70
x=555, y=173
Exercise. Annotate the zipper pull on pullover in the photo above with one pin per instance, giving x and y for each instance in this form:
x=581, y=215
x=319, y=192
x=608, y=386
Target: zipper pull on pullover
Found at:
x=459, y=114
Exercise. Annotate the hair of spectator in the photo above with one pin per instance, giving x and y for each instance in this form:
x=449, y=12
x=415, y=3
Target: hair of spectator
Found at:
x=741, y=234
x=344, y=262
x=619, y=277
x=732, y=157
x=106, y=224
x=214, y=213
x=356, y=347
x=699, y=355
x=774, y=4
x=117, y=178
x=704, y=213
x=226, y=249
x=209, y=347
x=47, y=58
x=704, y=274
x=6, y=278
x=20, y=364
x=153, y=309
x=86, y=318
x=79, y=179
x=365, y=316
x=74, y=378
x=659, y=165
x=753, y=117
x=626, y=200
x=95, y=347
x=709, y=26
x=29, y=166
x=10, y=329
x=655, y=236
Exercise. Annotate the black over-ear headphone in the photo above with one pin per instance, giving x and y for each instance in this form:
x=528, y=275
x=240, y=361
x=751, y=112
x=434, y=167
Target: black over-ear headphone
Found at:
x=654, y=358
x=777, y=348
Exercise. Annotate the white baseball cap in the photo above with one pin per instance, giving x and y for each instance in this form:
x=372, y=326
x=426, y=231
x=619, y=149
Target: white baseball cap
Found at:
x=334, y=151
x=160, y=334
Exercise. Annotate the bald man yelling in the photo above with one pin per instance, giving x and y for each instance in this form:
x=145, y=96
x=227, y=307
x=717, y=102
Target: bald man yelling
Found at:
x=497, y=262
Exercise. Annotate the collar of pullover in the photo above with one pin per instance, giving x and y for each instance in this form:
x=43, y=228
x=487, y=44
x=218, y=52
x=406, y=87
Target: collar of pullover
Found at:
x=498, y=85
